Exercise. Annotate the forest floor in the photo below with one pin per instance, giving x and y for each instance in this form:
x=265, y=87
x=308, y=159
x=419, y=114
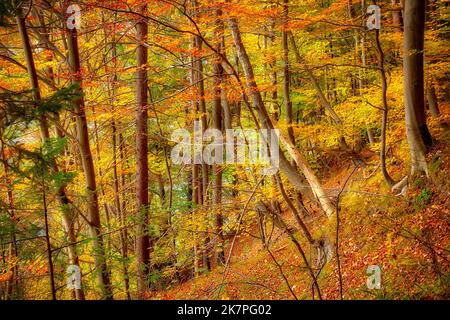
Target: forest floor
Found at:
x=407, y=236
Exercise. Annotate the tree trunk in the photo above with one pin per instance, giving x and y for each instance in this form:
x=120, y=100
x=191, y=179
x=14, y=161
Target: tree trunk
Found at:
x=32, y=74
x=67, y=214
x=195, y=175
x=95, y=228
x=419, y=137
x=362, y=71
x=286, y=90
x=115, y=136
x=384, y=120
x=123, y=214
x=315, y=83
x=51, y=270
x=324, y=101
x=286, y=73
x=201, y=103
x=285, y=166
x=142, y=236
x=397, y=19
x=217, y=124
x=432, y=100
x=270, y=43
x=12, y=284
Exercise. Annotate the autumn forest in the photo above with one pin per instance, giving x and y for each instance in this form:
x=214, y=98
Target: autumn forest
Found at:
x=224, y=149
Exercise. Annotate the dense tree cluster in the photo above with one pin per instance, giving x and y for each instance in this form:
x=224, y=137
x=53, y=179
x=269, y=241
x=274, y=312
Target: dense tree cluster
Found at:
x=92, y=91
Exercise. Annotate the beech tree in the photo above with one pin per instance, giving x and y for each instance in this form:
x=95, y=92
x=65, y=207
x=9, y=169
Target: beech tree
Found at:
x=419, y=137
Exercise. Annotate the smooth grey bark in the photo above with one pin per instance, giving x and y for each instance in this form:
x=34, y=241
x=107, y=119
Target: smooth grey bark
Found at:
x=290, y=172
x=419, y=137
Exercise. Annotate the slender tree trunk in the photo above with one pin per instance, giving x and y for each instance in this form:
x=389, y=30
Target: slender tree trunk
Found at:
x=315, y=83
x=12, y=284
x=51, y=272
x=384, y=121
x=115, y=124
x=66, y=210
x=397, y=19
x=419, y=137
x=275, y=110
x=204, y=180
x=142, y=236
x=432, y=100
x=195, y=174
x=286, y=73
x=324, y=101
x=217, y=124
x=98, y=160
x=295, y=212
x=286, y=89
x=95, y=228
x=354, y=82
x=120, y=213
x=285, y=166
x=123, y=214
x=362, y=74
x=32, y=74
x=196, y=194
